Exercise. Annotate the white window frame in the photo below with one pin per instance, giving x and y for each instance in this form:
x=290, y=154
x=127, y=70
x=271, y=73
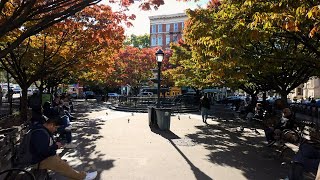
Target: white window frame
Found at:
x=175, y=38
x=153, y=40
x=153, y=29
x=160, y=28
x=175, y=27
x=159, y=39
x=167, y=27
x=167, y=39
x=182, y=25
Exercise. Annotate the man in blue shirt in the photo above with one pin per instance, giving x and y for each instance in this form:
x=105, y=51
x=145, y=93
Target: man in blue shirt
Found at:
x=43, y=149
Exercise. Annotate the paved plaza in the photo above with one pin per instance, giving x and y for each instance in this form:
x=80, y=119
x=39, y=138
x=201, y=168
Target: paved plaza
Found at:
x=120, y=145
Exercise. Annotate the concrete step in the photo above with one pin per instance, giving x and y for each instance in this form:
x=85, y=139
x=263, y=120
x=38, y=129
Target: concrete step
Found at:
x=145, y=109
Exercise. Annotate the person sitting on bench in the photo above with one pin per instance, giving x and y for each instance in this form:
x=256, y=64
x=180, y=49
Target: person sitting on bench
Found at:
x=306, y=160
x=286, y=122
x=43, y=149
x=65, y=129
x=37, y=117
x=258, y=111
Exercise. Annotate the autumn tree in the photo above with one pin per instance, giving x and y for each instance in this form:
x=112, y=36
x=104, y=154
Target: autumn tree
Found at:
x=187, y=71
x=132, y=66
x=227, y=35
x=167, y=79
x=20, y=19
x=142, y=41
x=295, y=20
x=52, y=81
x=75, y=43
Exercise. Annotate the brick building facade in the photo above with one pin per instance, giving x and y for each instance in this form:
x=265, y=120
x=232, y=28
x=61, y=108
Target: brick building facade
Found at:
x=165, y=29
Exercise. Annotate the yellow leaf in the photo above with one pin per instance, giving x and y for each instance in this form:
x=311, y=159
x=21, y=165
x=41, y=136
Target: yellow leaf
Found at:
x=309, y=14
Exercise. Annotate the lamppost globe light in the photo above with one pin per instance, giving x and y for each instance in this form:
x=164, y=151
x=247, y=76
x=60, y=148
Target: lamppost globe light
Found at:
x=159, y=55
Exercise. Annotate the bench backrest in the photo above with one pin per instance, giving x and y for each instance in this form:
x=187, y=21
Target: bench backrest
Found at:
x=9, y=141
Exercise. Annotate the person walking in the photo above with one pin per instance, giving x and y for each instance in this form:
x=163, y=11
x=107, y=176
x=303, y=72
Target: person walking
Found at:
x=204, y=107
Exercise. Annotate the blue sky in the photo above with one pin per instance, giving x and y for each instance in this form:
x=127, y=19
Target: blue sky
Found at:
x=141, y=24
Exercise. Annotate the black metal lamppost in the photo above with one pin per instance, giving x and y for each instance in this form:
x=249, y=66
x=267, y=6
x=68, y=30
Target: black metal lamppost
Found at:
x=159, y=56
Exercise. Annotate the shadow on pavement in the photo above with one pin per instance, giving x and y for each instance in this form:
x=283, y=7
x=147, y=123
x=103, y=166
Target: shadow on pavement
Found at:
x=245, y=151
x=165, y=134
x=196, y=171
x=171, y=136
x=84, y=107
x=87, y=133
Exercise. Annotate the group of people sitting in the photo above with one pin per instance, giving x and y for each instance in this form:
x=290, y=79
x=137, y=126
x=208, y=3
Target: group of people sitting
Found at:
x=274, y=132
x=60, y=108
x=284, y=128
x=282, y=119
x=46, y=121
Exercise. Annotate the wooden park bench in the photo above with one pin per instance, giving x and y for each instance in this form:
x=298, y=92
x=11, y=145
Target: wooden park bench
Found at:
x=9, y=142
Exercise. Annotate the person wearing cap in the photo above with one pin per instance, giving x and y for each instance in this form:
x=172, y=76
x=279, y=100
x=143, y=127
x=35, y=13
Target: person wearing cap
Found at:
x=43, y=149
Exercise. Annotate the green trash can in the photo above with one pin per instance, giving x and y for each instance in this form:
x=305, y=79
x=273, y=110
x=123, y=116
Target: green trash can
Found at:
x=152, y=116
x=163, y=118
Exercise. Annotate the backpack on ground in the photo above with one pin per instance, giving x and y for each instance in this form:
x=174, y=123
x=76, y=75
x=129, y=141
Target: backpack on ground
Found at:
x=23, y=156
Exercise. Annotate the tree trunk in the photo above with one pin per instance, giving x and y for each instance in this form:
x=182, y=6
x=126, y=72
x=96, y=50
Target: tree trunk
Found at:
x=9, y=94
x=24, y=104
x=41, y=88
x=284, y=99
x=264, y=97
x=41, y=92
x=253, y=100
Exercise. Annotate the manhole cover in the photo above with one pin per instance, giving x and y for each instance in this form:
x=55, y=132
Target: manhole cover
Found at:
x=183, y=142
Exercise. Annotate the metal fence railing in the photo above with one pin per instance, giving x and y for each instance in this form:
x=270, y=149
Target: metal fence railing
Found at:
x=308, y=113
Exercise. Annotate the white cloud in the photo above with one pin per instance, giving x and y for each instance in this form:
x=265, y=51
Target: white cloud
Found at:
x=141, y=24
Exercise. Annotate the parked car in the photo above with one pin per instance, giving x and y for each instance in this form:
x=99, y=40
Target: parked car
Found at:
x=74, y=95
x=16, y=90
x=113, y=95
x=89, y=95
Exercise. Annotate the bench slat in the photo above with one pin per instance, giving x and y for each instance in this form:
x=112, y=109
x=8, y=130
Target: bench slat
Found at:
x=4, y=150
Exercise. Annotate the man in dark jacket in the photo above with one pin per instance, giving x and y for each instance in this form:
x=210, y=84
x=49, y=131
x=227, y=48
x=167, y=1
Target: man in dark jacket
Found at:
x=286, y=122
x=204, y=107
x=43, y=149
x=65, y=128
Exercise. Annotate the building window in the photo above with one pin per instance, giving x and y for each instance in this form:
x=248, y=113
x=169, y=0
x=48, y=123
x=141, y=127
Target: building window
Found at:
x=153, y=29
x=299, y=91
x=153, y=41
x=160, y=40
x=167, y=39
x=175, y=38
x=175, y=27
x=159, y=27
x=182, y=25
x=168, y=27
